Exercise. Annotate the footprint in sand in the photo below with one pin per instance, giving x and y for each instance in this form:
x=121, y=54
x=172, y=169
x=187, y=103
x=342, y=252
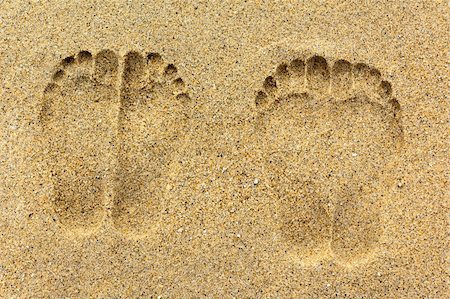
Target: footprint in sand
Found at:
x=327, y=133
x=78, y=117
x=87, y=110
x=152, y=118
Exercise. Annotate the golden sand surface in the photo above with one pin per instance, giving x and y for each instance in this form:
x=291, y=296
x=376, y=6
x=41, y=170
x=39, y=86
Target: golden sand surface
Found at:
x=224, y=149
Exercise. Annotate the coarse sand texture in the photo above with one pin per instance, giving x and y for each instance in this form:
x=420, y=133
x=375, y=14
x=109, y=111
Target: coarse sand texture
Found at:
x=224, y=149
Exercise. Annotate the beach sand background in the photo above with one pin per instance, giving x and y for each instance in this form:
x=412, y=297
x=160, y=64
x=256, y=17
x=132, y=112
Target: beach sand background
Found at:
x=218, y=180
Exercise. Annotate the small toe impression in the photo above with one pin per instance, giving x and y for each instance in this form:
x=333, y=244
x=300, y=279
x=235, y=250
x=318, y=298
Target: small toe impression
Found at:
x=374, y=78
x=178, y=83
x=51, y=88
x=270, y=85
x=58, y=75
x=106, y=67
x=170, y=72
x=283, y=77
x=297, y=70
x=154, y=59
x=84, y=66
x=360, y=73
x=155, y=64
x=297, y=67
x=134, y=70
x=394, y=105
x=282, y=72
x=261, y=99
x=183, y=98
x=317, y=74
x=68, y=61
x=342, y=79
x=84, y=57
x=366, y=79
x=385, y=89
